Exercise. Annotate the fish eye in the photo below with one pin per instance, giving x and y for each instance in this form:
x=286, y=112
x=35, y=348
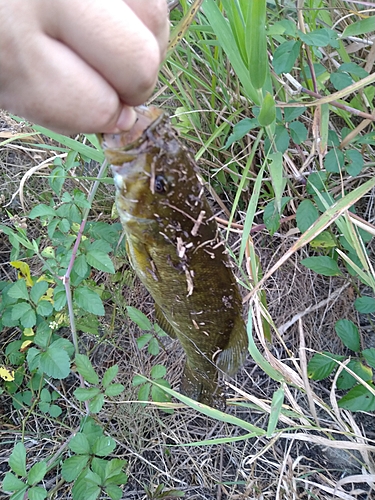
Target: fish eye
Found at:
x=160, y=184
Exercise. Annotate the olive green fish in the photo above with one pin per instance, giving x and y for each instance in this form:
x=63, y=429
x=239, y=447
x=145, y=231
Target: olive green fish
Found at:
x=176, y=250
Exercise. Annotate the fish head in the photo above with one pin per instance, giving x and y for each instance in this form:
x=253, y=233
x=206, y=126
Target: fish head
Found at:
x=153, y=180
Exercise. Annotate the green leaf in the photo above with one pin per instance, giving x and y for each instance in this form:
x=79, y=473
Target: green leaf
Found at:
x=55, y=411
x=114, y=467
x=256, y=41
x=355, y=162
x=271, y=216
x=340, y=80
x=137, y=380
x=298, y=132
x=42, y=210
x=157, y=393
x=316, y=38
x=79, y=444
x=306, y=215
x=293, y=113
x=365, y=305
x=322, y=264
x=345, y=380
x=96, y=403
x=86, y=369
x=267, y=114
x=86, y=487
x=89, y=301
x=56, y=179
x=360, y=27
x=55, y=362
x=369, y=355
x=109, y=375
x=241, y=128
x=322, y=365
x=103, y=446
x=358, y=399
x=285, y=56
x=17, y=460
x=143, y=340
x=37, y=493
x=37, y=473
x=158, y=371
x=18, y=290
x=276, y=407
x=44, y=308
x=139, y=318
x=153, y=347
x=84, y=394
x=80, y=266
x=59, y=299
x=113, y=491
x=348, y=333
x=114, y=390
x=13, y=483
x=38, y=290
x=144, y=392
x=100, y=260
x=334, y=161
x=64, y=344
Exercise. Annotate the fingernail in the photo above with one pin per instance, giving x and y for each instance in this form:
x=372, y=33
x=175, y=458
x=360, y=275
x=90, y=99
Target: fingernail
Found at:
x=126, y=119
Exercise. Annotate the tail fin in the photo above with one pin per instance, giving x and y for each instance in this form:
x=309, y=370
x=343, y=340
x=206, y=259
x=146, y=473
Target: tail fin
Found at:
x=233, y=356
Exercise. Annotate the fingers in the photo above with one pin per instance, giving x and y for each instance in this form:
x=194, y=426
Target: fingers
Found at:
x=125, y=46
x=80, y=66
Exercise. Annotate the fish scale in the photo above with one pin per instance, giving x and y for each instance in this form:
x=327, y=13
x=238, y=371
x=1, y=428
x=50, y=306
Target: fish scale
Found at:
x=175, y=248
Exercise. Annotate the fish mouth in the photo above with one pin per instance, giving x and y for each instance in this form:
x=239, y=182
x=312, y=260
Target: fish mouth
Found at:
x=146, y=116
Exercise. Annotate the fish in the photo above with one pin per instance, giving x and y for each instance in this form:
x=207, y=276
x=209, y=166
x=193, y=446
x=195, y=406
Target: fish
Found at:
x=176, y=249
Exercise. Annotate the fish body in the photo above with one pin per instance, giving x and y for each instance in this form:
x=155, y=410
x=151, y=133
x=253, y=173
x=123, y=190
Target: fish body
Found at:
x=176, y=250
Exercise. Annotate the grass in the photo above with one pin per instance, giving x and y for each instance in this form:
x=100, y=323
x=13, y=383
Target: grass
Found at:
x=284, y=435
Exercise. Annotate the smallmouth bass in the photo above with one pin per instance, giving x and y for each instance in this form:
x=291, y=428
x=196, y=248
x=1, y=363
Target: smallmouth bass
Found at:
x=175, y=248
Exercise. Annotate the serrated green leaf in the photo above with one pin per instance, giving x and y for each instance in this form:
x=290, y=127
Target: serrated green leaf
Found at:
x=322, y=365
x=55, y=362
x=42, y=210
x=38, y=290
x=18, y=290
x=17, y=460
x=96, y=403
x=44, y=308
x=348, y=333
x=73, y=466
x=84, y=394
x=157, y=393
x=143, y=340
x=86, y=487
x=64, y=344
x=114, y=390
x=55, y=411
x=36, y=493
x=137, y=380
x=322, y=264
x=358, y=399
x=144, y=392
x=88, y=300
x=306, y=215
x=158, y=371
x=114, y=467
x=153, y=347
x=285, y=56
x=86, y=369
x=139, y=318
x=100, y=260
x=80, y=266
x=37, y=473
x=19, y=309
x=365, y=305
x=109, y=375
x=103, y=446
x=113, y=491
x=13, y=483
x=79, y=444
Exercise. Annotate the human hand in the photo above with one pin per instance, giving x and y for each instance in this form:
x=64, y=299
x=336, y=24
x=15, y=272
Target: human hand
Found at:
x=80, y=66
